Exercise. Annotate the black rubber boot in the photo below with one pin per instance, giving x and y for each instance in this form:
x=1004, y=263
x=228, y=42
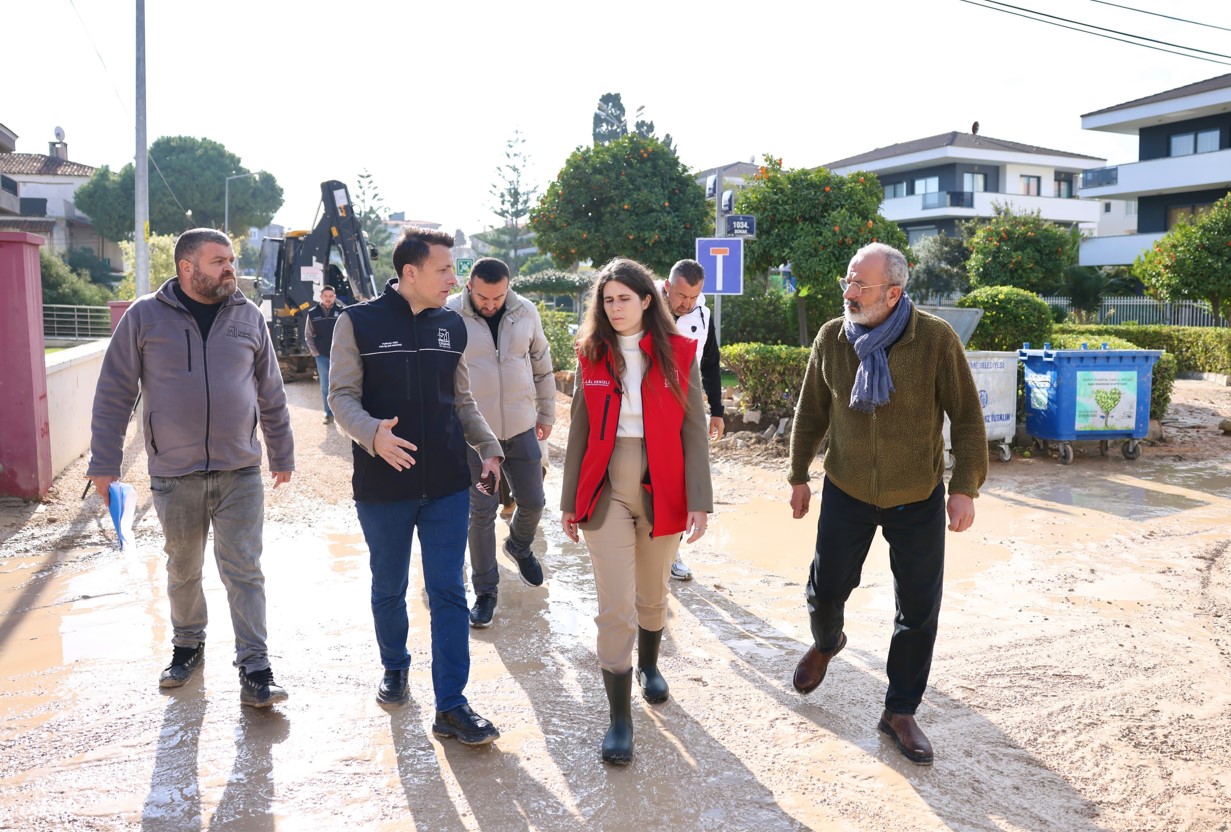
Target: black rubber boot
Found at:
x=618, y=743
x=653, y=685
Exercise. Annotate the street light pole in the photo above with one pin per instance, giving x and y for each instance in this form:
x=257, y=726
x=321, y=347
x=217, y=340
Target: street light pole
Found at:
x=226, y=201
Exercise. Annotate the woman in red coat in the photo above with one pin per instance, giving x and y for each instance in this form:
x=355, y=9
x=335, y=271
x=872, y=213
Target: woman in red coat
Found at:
x=636, y=476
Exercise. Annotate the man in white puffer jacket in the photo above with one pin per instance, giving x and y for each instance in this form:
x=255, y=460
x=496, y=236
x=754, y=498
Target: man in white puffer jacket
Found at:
x=682, y=293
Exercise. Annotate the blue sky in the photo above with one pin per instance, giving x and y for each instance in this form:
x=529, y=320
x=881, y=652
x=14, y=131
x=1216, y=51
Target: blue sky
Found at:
x=425, y=99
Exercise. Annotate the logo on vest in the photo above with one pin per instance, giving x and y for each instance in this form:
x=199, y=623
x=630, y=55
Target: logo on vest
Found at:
x=389, y=345
x=442, y=338
x=235, y=332
x=597, y=382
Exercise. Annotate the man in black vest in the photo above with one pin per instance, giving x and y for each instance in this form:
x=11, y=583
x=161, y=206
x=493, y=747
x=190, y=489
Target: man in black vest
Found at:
x=401, y=392
x=319, y=334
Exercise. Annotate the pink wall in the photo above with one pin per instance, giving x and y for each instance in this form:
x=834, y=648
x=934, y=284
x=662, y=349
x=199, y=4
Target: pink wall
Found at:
x=25, y=446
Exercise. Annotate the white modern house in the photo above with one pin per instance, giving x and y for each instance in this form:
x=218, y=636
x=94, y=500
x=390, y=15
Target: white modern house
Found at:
x=1183, y=163
x=932, y=184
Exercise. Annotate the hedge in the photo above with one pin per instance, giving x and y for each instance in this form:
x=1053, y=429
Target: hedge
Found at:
x=770, y=375
x=1011, y=317
x=1163, y=375
x=556, y=327
x=1197, y=349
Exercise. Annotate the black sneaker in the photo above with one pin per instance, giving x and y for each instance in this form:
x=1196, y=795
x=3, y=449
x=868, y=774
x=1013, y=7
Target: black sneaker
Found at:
x=184, y=662
x=394, y=688
x=259, y=689
x=483, y=610
x=465, y=726
x=528, y=568
x=328, y=420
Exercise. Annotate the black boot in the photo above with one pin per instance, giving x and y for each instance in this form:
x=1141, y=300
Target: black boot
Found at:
x=618, y=743
x=653, y=685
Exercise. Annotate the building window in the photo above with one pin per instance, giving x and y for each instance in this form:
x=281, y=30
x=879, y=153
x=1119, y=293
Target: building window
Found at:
x=897, y=189
x=1202, y=141
x=914, y=235
x=1181, y=213
x=974, y=182
x=1031, y=184
x=928, y=185
x=1064, y=188
x=1130, y=208
x=1106, y=207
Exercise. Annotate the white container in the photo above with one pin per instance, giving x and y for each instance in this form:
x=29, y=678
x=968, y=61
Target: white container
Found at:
x=996, y=377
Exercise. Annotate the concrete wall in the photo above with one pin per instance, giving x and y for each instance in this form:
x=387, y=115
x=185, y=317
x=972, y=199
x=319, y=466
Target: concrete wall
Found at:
x=72, y=375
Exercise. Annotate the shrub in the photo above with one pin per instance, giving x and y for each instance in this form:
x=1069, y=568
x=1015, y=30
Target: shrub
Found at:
x=63, y=285
x=1197, y=349
x=769, y=374
x=1163, y=375
x=1011, y=317
x=556, y=327
x=768, y=317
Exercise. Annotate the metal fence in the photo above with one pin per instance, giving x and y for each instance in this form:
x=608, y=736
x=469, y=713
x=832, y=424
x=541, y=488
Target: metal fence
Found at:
x=1148, y=311
x=76, y=323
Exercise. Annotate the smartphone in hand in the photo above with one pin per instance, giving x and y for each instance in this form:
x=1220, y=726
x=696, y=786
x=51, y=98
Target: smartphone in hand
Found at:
x=487, y=483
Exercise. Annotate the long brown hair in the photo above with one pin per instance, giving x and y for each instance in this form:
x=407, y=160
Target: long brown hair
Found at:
x=597, y=339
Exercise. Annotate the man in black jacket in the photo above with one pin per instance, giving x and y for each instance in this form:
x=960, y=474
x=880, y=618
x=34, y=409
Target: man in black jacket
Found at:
x=318, y=332
x=400, y=390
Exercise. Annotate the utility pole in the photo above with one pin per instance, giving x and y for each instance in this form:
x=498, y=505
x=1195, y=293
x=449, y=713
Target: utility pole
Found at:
x=718, y=232
x=141, y=266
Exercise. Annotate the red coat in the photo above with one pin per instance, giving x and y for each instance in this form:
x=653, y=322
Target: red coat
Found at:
x=663, y=420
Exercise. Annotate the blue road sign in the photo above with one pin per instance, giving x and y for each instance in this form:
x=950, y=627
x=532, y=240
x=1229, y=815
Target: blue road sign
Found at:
x=723, y=261
x=742, y=225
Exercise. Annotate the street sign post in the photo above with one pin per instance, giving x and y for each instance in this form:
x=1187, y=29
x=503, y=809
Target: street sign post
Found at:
x=742, y=225
x=722, y=258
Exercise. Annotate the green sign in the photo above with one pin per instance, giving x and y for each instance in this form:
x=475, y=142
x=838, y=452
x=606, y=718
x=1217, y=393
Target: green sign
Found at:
x=462, y=266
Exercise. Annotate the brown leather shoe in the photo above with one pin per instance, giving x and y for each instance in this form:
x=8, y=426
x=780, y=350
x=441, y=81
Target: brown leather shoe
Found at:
x=810, y=671
x=908, y=736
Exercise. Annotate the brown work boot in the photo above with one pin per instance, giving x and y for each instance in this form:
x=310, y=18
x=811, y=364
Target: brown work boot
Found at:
x=908, y=737
x=810, y=671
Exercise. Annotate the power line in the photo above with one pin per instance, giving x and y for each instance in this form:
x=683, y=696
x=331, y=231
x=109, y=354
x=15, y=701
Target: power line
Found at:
x=123, y=106
x=1160, y=14
x=1105, y=29
x=1098, y=35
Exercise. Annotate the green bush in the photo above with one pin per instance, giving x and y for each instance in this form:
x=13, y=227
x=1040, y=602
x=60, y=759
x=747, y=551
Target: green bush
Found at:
x=1011, y=317
x=770, y=375
x=767, y=317
x=555, y=325
x=1163, y=375
x=63, y=285
x=1197, y=349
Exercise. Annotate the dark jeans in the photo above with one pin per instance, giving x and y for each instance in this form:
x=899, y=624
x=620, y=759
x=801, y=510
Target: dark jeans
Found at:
x=916, y=536
x=523, y=468
x=441, y=523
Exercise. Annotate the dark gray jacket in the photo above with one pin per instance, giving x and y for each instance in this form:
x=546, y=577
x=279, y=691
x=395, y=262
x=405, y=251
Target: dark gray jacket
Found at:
x=202, y=401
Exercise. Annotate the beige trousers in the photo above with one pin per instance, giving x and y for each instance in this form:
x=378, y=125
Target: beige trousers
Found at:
x=631, y=569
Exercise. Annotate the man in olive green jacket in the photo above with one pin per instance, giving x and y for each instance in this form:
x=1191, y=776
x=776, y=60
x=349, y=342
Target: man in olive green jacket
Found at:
x=880, y=381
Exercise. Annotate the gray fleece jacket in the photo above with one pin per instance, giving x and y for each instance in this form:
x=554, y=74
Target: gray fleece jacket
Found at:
x=203, y=401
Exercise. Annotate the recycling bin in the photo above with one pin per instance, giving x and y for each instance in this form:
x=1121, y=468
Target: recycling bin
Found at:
x=995, y=375
x=1088, y=394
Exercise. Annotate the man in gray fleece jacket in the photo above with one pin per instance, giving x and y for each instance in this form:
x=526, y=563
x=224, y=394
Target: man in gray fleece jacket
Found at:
x=200, y=355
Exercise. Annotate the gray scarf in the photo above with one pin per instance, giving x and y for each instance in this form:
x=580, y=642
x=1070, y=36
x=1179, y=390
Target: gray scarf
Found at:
x=872, y=382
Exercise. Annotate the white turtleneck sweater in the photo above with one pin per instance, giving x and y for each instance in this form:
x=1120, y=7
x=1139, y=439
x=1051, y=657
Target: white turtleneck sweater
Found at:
x=630, y=403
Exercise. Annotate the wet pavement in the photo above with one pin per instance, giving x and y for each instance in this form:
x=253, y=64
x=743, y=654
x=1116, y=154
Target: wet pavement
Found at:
x=1066, y=564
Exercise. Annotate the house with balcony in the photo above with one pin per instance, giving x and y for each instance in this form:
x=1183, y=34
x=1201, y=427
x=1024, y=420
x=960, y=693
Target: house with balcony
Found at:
x=41, y=187
x=1183, y=164
x=934, y=183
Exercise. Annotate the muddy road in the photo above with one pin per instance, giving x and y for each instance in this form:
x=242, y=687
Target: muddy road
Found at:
x=1080, y=680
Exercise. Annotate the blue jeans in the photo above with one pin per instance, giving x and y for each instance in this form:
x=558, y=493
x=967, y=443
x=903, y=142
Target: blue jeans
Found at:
x=441, y=522
x=233, y=503
x=916, y=536
x=322, y=370
x=523, y=467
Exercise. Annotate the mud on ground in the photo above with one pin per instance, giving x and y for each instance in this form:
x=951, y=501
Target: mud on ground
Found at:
x=1080, y=679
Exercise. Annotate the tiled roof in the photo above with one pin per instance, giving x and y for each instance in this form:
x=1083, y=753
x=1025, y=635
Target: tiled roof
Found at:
x=953, y=139
x=39, y=226
x=40, y=165
x=1208, y=85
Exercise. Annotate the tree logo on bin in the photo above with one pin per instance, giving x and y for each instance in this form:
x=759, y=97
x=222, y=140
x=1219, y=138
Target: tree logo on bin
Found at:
x=1107, y=401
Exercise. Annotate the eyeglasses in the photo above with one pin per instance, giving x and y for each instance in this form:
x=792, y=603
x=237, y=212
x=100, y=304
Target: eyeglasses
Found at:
x=845, y=285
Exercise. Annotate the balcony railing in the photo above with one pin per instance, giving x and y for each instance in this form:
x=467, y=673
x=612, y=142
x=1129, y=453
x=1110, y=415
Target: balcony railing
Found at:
x=76, y=323
x=1100, y=177
x=949, y=199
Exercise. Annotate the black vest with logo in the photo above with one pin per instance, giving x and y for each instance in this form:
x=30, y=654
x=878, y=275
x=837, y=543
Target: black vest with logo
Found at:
x=409, y=363
x=323, y=322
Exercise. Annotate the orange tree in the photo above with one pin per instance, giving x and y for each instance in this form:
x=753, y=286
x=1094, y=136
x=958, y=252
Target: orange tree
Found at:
x=816, y=221
x=631, y=197
x=1193, y=261
x=1022, y=250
